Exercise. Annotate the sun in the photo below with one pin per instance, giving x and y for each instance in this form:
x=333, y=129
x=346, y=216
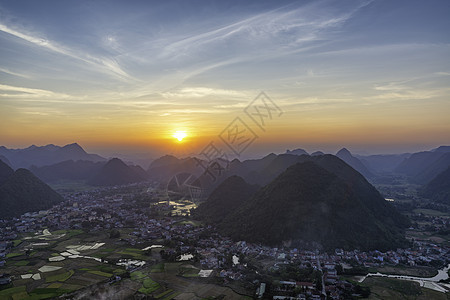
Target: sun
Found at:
x=180, y=135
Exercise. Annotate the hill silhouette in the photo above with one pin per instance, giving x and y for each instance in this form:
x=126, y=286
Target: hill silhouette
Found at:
x=322, y=201
x=438, y=189
x=165, y=167
x=316, y=153
x=5, y=160
x=383, y=163
x=444, y=149
x=418, y=162
x=433, y=169
x=225, y=199
x=46, y=155
x=354, y=162
x=298, y=151
x=116, y=172
x=5, y=171
x=23, y=192
x=67, y=170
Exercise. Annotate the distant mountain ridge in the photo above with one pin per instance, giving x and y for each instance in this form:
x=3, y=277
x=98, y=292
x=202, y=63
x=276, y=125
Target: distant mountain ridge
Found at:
x=383, y=163
x=445, y=149
x=21, y=192
x=116, y=172
x=421, y=167
x=354, y=162
x=433, y=169
x=298, y=151
x=254, y=171
x=46, y=155
x=167, y=166
x=67, y=170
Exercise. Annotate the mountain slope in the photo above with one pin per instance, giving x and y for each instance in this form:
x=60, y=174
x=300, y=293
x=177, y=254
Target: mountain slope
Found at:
x=438, y=189
x=5, y=171
x=67, y=170
x=418, y=162
x=317, y=153
x=298, y=151
x=46, y=155
x=116, y=172
x=308, y=203
x=355, y=163
x=443, y=149
x=384, y=162
x=433, y=169
x=225, y=199
x=5, y=160
x=165, y=167
x=23, y=192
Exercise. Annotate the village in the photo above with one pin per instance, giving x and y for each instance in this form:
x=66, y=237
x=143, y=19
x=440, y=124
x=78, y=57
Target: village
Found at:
x=263, y=270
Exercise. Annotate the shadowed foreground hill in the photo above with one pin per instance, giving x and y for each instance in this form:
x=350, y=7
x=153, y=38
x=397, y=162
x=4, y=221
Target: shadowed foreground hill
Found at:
x=225, y=199
x=333, y=206
x=5, y=171
x=22, y=192
x=116, y=172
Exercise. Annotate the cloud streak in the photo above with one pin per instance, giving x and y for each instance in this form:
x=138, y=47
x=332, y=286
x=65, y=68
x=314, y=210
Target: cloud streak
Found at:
x=22, y=92
x=108, y=65
x=4, y=70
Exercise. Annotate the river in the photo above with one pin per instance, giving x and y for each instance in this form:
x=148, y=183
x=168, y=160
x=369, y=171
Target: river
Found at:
x=427, y=282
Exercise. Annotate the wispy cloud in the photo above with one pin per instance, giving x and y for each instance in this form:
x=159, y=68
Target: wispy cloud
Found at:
x=199, y=92
x=23, y=92
x=401, y=91
x=7, y=71
x=291, y=28
x=105, y=64
x=259, y=37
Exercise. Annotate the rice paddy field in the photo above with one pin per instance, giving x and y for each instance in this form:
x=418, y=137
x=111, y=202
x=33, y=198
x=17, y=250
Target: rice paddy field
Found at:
x=73, y=263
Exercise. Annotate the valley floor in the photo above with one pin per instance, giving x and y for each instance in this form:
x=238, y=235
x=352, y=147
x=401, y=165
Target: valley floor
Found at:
x=94, y=245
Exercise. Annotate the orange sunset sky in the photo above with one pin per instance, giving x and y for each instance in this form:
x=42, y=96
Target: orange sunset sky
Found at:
x=123, y=77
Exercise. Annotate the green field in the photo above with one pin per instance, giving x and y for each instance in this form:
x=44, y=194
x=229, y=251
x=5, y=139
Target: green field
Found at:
x=159, y=279
x=137, y=275
x=149, y=286
x=13, y=292
x=163, y=294
x=408, y=271
x=157, y=268
x=393, y=289
x=68, y=233
x=104, y=274
x=13, y=254
x=21, y=263
x=133, y=253
x=60, y=277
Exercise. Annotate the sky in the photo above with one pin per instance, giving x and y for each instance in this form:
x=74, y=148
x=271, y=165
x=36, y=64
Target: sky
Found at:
x=124, y=76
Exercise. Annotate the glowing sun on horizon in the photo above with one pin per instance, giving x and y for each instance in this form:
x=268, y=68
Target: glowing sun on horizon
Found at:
x=180, y=135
